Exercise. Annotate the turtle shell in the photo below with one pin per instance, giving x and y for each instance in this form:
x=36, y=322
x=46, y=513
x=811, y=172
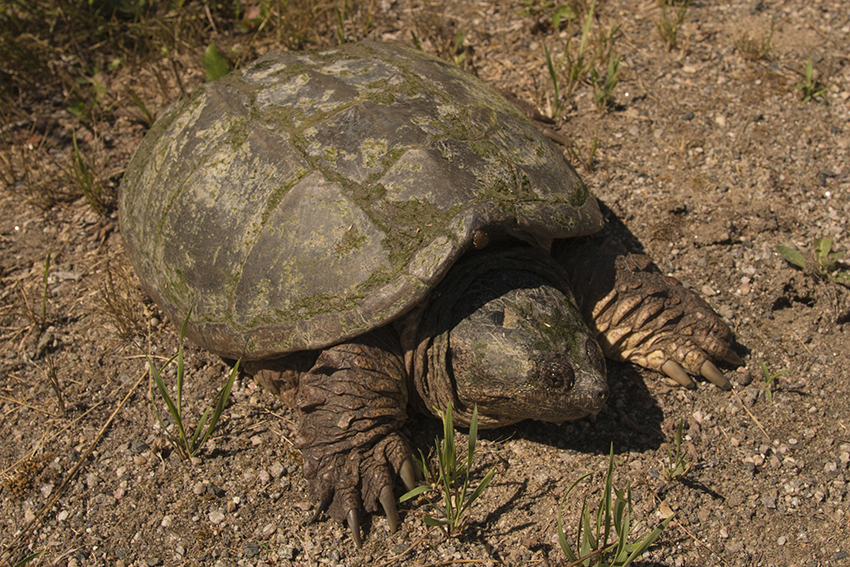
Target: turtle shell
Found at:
x=312, y=197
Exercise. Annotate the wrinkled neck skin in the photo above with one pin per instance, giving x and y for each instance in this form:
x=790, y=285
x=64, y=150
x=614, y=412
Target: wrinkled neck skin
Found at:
x=502, y=332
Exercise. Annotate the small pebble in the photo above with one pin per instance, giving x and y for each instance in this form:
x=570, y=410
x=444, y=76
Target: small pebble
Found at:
x=166, y=522
x=277, y=469
x=216, y=517
x=251, y=549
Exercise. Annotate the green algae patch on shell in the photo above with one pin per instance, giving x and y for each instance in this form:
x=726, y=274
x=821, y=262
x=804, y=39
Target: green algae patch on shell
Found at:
x=312, y=197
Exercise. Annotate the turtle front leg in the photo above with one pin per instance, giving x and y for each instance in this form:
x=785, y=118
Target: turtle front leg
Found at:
x=642, y=316
x=353, y=402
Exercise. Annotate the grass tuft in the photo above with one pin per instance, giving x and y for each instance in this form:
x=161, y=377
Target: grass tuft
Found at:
x=677, y=467
x=755, y=48
x=669, y=25
x=604, y=540
x=811, y=88
x=451, y=479
x=824, y=263
x=187, y=446
x=769, y=379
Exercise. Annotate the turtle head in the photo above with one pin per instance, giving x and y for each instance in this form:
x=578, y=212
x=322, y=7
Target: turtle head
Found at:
x=515, y=345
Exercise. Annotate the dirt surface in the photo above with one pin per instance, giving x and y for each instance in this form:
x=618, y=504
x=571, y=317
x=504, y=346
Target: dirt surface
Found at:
x=708, y=158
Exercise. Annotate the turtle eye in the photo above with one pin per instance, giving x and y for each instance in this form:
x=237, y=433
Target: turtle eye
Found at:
x=497, y=317
x=556, y=374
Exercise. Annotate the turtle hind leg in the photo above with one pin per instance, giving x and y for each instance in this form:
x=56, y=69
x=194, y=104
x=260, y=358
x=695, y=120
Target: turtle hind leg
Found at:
x=353, y=402
x=642, y=316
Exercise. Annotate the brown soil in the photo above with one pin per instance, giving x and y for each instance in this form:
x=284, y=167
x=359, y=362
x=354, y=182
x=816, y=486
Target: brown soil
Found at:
x=709, y=159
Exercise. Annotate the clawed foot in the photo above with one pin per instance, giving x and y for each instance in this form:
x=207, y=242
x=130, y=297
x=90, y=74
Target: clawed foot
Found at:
x=353, y=402
x=642, y=316
x=345, y=484
x=652, y=320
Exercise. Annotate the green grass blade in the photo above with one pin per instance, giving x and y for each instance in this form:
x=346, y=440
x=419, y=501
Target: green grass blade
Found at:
x=194, y=446
x=605, y=507
x=434, y=522
x=585, y=31
x=480, y=488
x=641, y=546
x=163, y=391
x=588, y=542
x=180, y=361
x=141, y=105
x=823, y=245
x=553, y=76
x=223, y=395
x=414, y=493
x=792, y=256
x=562, y=539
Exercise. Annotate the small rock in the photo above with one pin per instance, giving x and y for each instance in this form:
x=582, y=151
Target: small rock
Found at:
x=288, y=552
x=277, y=469
x=199, y=488
x=769, y=502
x=251, y=549
x=29, y=516
x=688, y=116
x=781, y=540
x=166, y=522
x=216, y=517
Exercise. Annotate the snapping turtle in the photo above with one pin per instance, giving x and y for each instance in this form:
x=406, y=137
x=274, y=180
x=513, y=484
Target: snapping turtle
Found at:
x=370, y=229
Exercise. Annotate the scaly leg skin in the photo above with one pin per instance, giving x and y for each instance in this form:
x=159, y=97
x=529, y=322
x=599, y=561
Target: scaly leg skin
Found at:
x=642, y=316
x=353, y=401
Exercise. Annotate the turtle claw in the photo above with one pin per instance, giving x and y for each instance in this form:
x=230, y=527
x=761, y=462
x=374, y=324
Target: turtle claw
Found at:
x=322, y=507
x=674, y=371
x=732, y=358
x=408, y=474
x=388, y=502
x=710, y=371
x=354, y=526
